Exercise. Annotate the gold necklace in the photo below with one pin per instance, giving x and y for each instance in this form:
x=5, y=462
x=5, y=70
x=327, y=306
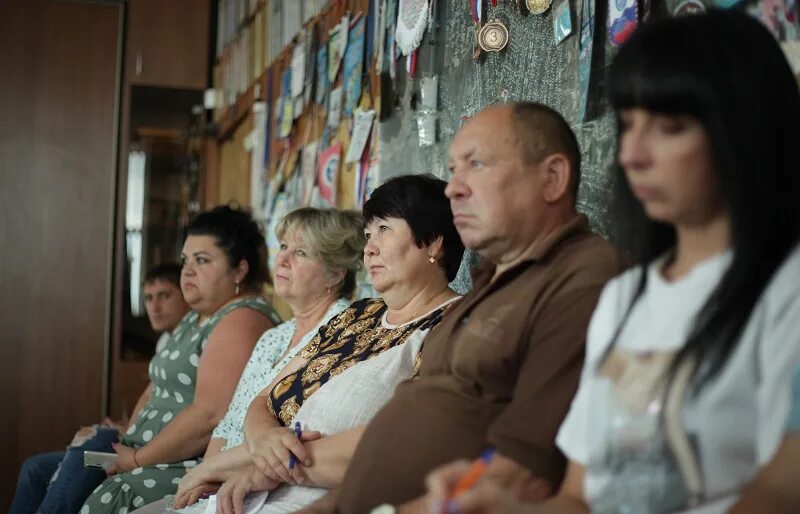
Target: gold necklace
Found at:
x=420, y=310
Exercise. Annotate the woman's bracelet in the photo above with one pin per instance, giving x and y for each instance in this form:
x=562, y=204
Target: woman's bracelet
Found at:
x=134, y=458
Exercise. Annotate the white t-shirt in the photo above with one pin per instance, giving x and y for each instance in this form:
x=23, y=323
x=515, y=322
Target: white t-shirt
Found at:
x=737, y=421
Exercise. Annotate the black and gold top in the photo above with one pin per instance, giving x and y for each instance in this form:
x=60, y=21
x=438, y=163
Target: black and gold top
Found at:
x=357, y=334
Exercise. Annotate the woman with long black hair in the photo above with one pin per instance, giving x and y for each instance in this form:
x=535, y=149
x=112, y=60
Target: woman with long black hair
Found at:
x=686, y=389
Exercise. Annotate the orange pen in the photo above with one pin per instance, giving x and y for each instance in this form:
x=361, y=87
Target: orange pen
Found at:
x=471, y=477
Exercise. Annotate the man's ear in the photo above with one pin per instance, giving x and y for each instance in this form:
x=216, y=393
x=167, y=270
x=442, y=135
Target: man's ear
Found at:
x=557, y=172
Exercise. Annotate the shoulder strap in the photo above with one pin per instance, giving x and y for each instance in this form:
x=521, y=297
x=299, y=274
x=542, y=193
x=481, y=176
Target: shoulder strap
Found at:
x=257, y=303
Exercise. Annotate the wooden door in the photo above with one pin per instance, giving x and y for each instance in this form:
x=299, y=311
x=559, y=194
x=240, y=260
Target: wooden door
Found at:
x=167, y=43
x=58, y=98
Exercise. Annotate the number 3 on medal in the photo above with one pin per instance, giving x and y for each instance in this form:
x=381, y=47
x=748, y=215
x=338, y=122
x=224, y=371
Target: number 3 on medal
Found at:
x=493, y=37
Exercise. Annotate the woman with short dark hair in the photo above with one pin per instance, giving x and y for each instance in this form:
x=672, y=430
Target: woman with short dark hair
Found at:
x=417, y=199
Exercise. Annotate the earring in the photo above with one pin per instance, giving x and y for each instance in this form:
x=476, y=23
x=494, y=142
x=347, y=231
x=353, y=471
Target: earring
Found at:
x=431, y=259
x=236, y=289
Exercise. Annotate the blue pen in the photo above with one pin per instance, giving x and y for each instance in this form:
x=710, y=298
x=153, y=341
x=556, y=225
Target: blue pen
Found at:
x=298, y=431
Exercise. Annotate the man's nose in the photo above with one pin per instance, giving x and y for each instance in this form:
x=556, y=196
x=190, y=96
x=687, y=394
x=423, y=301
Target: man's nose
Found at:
x=456, y=188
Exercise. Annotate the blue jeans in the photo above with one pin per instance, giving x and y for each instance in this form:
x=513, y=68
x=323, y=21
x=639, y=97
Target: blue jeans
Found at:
x=39, y=491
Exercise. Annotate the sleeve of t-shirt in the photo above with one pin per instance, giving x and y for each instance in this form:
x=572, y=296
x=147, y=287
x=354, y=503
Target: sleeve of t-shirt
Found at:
x=573, y=435
x=779, y=358
x=525, y=431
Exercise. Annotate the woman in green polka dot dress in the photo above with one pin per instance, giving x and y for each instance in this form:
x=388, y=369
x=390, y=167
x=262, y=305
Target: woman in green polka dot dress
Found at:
x=194, y=376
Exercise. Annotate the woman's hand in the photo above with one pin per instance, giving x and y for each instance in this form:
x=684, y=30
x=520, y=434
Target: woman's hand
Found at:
x=486, y=497
x=192, y=496
x=125, y=462
x=271, y=448
x=230, y=497
x=194, y=479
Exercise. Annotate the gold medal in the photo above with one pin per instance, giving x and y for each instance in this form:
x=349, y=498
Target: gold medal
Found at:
x=493, y=37
x=538, y=6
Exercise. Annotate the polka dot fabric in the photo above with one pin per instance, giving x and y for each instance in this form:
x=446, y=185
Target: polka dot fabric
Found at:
x=173, y=373
x=133, y=490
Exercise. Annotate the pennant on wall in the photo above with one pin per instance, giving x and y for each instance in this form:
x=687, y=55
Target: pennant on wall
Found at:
x=412, y=19
x=623, y=16
x=308, y=168
x=585, y=55
x=337, y=43
x=328, y=173
x=353, y=65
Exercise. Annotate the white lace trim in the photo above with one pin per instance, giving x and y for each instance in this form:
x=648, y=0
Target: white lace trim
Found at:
x=408, y=37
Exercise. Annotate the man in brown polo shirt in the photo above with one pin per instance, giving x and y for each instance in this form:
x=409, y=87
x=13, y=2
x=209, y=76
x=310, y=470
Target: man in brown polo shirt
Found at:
x=501, y=369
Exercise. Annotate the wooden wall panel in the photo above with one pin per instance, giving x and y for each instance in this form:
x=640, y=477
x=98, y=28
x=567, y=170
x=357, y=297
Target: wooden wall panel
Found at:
x=209, y=176
x=234, y=167
x=58, y=97
x=167, y=43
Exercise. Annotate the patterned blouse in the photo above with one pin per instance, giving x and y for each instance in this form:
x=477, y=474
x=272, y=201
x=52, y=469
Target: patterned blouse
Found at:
x=357, y=334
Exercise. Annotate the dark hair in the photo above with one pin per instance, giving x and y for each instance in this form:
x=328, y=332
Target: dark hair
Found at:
x=239, y=237
x=421, y=202
x=726, y=70
x=541, y=132
x=168, y=272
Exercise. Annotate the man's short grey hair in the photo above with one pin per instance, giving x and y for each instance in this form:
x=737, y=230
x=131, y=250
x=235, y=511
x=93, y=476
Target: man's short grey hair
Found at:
x=541, y=132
